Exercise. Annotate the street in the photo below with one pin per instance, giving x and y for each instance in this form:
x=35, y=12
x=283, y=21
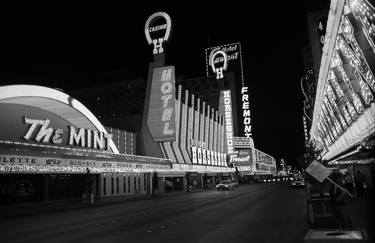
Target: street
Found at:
x=250, y=213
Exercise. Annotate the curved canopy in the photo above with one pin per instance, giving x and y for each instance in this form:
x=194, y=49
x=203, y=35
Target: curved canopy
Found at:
x=53, y=101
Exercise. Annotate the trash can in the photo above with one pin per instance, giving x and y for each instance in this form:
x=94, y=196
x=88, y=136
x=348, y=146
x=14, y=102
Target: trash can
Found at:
x=336, y=235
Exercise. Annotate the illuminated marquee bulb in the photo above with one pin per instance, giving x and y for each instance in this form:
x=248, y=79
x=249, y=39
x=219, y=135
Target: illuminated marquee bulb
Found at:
x=158, y=42
x=211, y=61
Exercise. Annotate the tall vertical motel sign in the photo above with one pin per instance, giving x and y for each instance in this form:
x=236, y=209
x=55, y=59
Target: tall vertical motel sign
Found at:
x=161, y=109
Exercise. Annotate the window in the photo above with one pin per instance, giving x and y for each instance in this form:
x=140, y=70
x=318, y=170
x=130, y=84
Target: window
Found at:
x=135, y=183
x=124, y=184
x=97, y=185
x=129, y=184
x=117, y=185
x=104, y=185
x=139, y=182
x=112, y=185
x=144, y=182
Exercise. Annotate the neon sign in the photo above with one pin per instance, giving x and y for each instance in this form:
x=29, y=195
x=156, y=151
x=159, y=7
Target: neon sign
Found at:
x=234, y=58
x=157, y=42
x=225, y=108
x=82, y=137
x=213, y=60
x=204, y=156
x=246, y=112
x=161, y=113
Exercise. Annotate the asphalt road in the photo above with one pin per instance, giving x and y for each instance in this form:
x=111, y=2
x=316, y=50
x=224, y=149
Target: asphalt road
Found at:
x=251, y=213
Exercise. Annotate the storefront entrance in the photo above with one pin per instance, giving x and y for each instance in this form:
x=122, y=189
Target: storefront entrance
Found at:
x=17, y=188
x=174, y=184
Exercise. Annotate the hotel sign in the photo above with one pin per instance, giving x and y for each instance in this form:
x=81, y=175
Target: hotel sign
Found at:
x=214, y=60
x=161, y=110
x=234, y=59
x=244, y=157
x=158, y=33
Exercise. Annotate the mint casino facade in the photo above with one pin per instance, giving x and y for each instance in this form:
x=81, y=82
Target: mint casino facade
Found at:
x=52, y=147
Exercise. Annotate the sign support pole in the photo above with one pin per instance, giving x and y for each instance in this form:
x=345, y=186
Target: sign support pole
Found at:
x=341, y=188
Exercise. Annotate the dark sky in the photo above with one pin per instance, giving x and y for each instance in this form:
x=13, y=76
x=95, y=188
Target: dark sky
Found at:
x=69, y=47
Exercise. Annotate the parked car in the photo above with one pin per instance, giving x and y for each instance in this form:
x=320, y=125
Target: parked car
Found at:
x=298, y=182
x=226, y=185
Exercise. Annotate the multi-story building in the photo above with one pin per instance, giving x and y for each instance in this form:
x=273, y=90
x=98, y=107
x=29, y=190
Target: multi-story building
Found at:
x=311, y=56
x=117, y=104
x=343, y=125
x=208, y=89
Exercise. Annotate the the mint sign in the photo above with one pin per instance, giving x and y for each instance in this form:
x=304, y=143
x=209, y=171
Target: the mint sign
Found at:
x=41, y=131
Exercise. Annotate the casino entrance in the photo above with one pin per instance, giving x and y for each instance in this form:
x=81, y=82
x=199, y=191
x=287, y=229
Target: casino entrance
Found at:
x=19, y=188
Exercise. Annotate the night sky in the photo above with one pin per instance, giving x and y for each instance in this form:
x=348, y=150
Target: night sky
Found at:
x=71, y=47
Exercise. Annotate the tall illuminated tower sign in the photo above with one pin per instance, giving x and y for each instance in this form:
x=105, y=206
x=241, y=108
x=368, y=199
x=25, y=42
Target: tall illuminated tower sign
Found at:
x=161, y=113
x=225, y=108
x=232, y=63
x=157, y=30
x=158, y=122
x=246, y=113
x=225, y=103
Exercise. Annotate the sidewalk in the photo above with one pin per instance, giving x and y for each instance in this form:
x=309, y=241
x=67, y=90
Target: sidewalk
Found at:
x=34, y=208
x=359, y=212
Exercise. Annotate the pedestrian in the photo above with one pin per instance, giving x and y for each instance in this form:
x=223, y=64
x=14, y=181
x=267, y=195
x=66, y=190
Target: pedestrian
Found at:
x=349, y=182
x=338, y=200
x=359, y=180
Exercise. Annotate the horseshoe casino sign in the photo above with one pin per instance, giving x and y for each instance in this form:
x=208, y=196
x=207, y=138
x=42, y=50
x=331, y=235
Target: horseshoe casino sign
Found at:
x=158, y=30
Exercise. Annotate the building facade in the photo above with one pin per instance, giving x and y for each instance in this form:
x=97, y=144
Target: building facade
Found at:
x=52, y=147
x=343, y=125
